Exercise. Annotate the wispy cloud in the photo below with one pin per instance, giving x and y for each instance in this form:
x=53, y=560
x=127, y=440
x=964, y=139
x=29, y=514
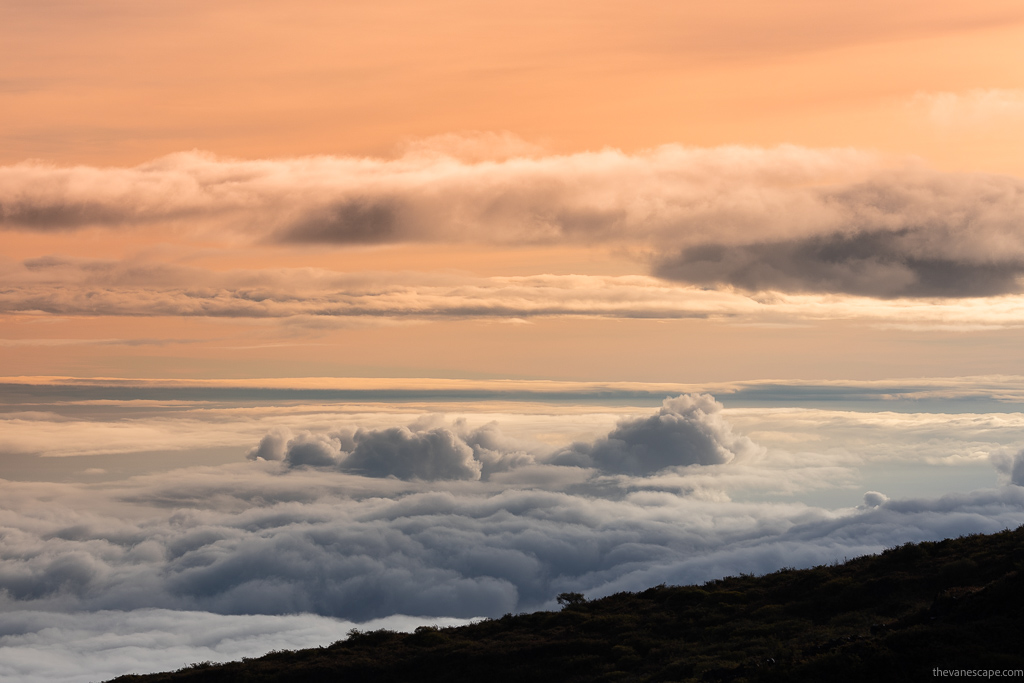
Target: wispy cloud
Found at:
x=977, y=109
x=317, y=298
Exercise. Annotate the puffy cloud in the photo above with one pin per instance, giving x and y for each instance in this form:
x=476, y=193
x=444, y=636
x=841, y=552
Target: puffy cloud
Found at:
x=873, y=499
x=788, y=218
x=316, y=450
x=399, y=452
x=688, y=430
x=273, y=446
x=496, y=451
x=1011, y=468
x=424, y=454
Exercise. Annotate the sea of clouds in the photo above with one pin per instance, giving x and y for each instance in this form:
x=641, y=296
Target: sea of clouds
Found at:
x=419, y=519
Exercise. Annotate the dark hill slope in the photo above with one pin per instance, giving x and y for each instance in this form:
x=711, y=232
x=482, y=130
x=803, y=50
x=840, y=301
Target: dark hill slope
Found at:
x=954, y=604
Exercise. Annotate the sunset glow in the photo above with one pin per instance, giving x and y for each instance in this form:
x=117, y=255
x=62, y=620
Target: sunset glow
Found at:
x=319, y=314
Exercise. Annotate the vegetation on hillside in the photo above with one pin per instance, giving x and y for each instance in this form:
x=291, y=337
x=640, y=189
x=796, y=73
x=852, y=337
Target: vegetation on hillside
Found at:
x=953, y=604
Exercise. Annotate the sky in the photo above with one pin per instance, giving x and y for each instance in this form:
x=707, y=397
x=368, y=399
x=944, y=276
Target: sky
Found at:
x=320, y=315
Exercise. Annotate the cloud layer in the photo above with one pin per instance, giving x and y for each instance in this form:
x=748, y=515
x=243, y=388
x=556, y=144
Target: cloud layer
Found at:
x=316, y=297
x=438, y=516
x=257, y=542
x=789, y=218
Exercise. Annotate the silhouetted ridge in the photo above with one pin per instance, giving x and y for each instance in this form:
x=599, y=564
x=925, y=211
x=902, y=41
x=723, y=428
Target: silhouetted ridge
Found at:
x=954, y=604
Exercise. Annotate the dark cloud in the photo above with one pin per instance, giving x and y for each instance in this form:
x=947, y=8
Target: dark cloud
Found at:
x=688, y=430
x=877, y=264
x=352, y=221
x=46, y=217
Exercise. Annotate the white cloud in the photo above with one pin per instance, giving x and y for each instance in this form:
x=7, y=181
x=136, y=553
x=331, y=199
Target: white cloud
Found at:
x=44, y=647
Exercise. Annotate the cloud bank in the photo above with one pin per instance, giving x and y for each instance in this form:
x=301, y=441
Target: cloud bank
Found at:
x=788, y=218
x=688, y=430
x=322, y=542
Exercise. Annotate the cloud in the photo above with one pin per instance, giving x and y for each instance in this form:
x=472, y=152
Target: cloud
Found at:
x=105, y=288
x=234, y=541
x=873, y=499
x=400, y=452
x=423, y=454
x=788, y=218
x=273, y=445
x=688, y=430
x=1011, y=468
x=505, y=422
x=978, y=108
x=41, y=647
x=885, y=264
x=312, y=297
x=462, y=517
x=496, y=451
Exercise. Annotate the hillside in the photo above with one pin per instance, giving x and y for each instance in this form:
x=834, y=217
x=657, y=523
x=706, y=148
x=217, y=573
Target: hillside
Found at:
x=954, y=604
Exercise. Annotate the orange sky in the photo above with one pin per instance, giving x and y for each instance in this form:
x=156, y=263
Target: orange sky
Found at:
x=114, y=84
x=118, y=82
